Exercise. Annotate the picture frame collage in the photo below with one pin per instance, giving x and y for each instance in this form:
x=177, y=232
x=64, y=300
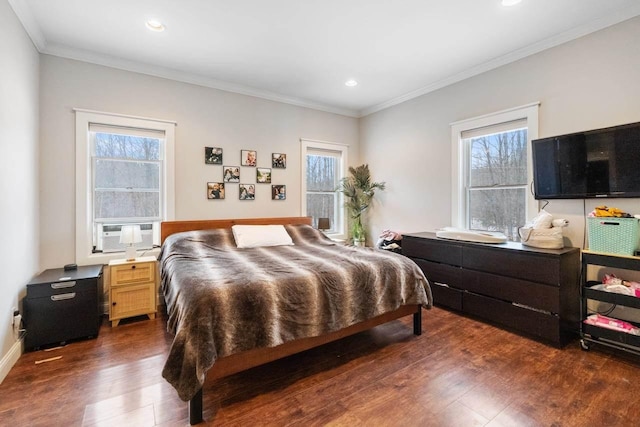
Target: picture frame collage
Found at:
x=232, y=174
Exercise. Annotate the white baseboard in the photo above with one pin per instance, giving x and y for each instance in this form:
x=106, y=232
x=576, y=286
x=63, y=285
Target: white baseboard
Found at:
x=10, y=359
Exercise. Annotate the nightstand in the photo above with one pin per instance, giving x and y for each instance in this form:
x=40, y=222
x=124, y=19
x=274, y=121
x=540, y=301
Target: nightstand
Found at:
x=63, y=305
x=132, y=290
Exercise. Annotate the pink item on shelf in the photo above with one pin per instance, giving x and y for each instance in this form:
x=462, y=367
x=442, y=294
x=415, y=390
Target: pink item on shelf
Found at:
x=610, y=323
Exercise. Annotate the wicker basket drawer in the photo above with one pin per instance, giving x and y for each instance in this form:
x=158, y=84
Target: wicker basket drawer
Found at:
x=139, y=272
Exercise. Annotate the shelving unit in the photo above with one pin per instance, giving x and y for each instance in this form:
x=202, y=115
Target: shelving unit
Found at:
x=594, y=334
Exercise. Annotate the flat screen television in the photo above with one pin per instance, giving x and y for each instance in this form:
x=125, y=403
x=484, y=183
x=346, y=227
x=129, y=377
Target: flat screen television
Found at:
x=596, y=163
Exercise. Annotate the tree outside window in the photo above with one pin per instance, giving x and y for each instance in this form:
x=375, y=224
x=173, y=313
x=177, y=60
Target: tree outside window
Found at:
x=497, y=182
x=127, y=176
x=322, y=180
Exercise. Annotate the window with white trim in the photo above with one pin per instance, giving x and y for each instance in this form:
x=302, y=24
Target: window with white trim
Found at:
x=323, y=166
x=492, y=171
x=124, y=176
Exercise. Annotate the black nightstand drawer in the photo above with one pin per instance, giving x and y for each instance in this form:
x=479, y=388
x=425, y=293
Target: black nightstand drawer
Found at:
x=41, y=290
x=63, y=310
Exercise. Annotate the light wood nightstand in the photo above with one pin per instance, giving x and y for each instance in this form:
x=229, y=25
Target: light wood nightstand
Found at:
x=132, y=290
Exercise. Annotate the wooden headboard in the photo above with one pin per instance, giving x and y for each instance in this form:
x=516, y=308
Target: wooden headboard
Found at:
x=168, y=228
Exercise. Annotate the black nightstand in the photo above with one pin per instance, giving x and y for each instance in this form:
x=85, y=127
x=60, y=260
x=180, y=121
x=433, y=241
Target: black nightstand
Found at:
x=63, y=305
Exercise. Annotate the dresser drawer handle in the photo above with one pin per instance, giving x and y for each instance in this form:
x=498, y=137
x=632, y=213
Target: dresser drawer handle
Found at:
x=63, y=297
x=133, y=267
x=62, y=285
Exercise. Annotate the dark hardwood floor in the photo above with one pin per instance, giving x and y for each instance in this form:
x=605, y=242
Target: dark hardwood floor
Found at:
x=460, y=372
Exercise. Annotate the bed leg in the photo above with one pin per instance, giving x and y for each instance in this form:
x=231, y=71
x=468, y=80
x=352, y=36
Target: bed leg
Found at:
x=417, y=322
x=195, y=408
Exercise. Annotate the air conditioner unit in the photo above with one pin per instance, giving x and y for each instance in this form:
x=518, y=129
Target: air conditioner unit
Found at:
x=109, y=238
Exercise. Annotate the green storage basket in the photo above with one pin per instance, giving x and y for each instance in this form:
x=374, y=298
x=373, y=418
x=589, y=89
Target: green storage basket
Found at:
x=614, y=235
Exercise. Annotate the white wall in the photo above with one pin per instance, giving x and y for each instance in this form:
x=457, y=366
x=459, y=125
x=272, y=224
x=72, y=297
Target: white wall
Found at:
x=205, y=117
x=588, y=83
x=18, y=174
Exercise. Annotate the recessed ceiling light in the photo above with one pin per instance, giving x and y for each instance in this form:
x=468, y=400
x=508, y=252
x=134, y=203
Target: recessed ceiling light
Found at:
x=155, y=25
x=351, y=83
x=510, y=2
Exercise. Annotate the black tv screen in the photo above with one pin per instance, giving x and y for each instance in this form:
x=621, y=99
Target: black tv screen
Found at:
x=595, y=163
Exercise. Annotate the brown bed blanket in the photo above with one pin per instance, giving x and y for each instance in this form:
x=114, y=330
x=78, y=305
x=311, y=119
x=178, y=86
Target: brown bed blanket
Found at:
x=223, y=300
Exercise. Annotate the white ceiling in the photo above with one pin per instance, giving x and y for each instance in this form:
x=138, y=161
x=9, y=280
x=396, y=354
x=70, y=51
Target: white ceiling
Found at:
x=302, y=51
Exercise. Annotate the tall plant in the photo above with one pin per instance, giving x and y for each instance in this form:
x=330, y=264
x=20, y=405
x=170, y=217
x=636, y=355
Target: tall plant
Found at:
x=358, y=191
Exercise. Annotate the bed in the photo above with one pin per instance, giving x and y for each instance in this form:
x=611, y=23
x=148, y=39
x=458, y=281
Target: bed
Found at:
x=231, y=308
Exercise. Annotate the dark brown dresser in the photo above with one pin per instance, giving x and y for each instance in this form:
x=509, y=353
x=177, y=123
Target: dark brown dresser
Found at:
x=62, y=305
x=532, y=291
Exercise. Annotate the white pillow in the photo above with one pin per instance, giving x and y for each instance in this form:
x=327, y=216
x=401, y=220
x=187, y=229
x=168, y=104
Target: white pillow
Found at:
x=255, y=236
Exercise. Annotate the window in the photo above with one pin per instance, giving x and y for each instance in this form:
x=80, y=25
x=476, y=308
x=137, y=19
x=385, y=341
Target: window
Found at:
x=124, y=170
x=324, y=165
x=492, y=171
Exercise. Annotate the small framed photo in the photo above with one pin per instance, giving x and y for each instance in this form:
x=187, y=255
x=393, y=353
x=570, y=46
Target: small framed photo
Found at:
x=215, y=190
x=247, y=192
x=278, y=160
x=231, y=173
x=213, y=155
x=278, y=192
x=248, y=157
x=263, y=175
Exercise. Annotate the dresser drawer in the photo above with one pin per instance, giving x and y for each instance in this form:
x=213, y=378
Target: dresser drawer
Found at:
x=521, y=319
x=536, y=295
x=133, y=273
x=535, y=267
x=432, y=250
x=438, y=276
x=440, y=273
x=445, y=296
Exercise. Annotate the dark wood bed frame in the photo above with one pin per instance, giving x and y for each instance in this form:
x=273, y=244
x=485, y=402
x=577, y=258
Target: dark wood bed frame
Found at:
x=242, y=361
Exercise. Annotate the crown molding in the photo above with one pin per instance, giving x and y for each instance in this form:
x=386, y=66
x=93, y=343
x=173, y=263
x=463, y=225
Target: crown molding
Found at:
x=516, y=55
x=23, y=12
x=181, y=76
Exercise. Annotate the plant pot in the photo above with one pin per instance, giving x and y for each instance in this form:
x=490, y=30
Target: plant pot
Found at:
x=361, y=243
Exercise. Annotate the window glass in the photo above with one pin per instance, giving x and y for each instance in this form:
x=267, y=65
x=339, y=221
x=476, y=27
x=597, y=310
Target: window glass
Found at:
x=322, y=172
x=323, y=169
x=498, y=159
x=497, y=210
x=322, y=181
x=127, y=175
